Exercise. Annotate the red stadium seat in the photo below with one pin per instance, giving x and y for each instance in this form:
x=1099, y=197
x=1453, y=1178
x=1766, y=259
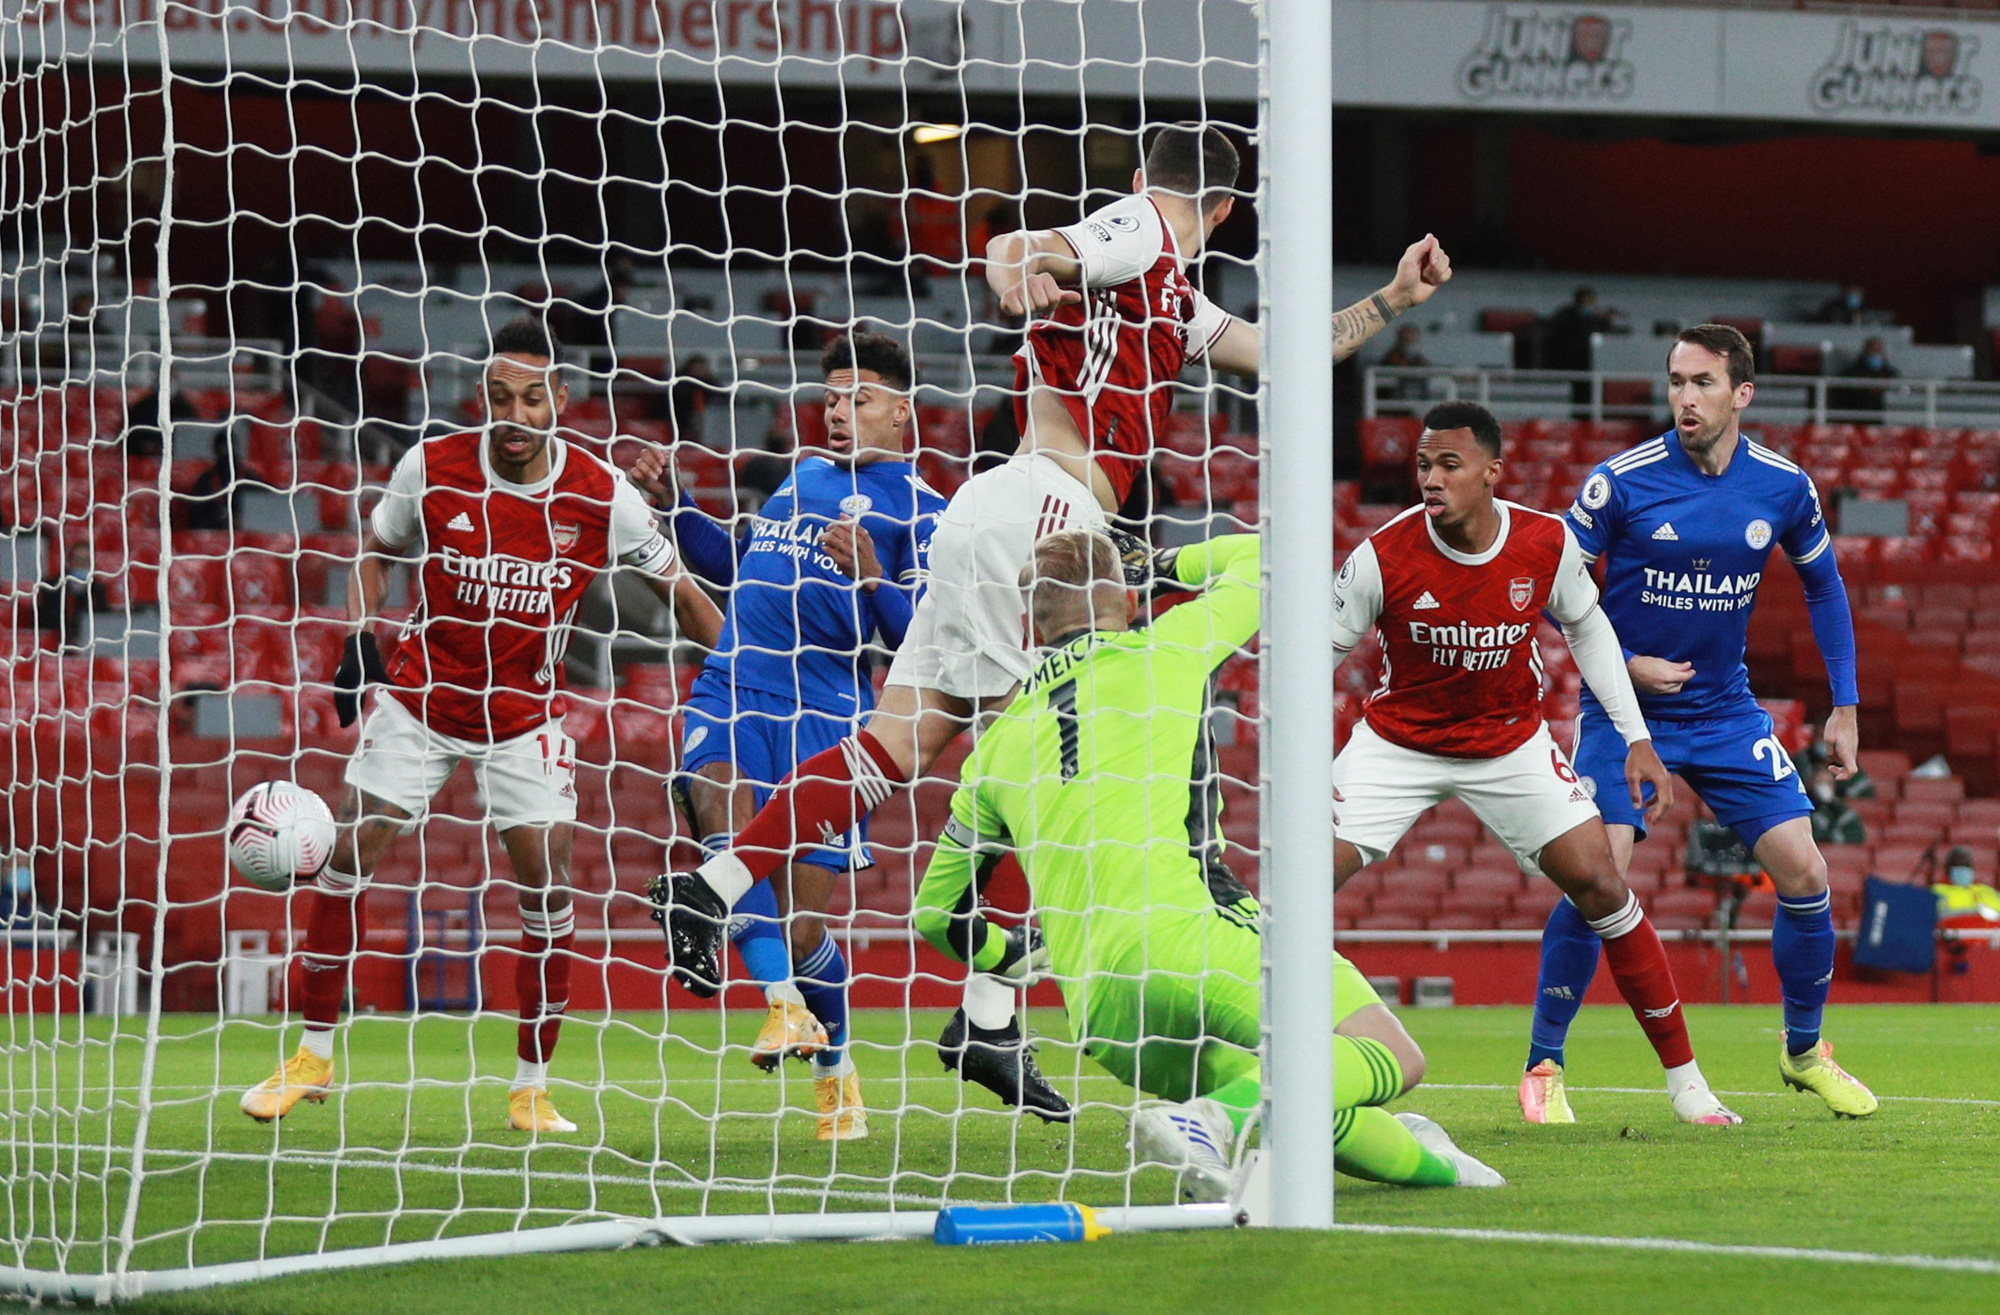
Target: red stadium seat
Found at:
x=1389, y=442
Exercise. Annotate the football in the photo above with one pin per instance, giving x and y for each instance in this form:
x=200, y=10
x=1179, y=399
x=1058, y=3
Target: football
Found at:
x=279, y=833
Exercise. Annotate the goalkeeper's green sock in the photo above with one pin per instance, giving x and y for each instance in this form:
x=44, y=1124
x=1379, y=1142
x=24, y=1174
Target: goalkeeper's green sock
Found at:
x=1369, y=1143
x=1365, y=1072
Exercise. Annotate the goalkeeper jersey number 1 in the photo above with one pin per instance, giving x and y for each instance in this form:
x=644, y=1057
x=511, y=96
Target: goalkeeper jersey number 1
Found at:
x=1096, y=778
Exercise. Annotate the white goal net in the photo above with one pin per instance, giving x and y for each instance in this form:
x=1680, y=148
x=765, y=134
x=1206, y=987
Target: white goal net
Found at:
x=251, y=251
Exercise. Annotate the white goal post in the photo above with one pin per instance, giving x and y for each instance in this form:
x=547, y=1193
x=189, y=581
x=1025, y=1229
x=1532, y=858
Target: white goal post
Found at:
x=250, y=252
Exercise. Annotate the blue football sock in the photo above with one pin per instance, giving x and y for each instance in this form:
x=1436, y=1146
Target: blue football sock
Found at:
x=1569, y=961
x=759, y=936
x=1802, y=952
x=822, y=980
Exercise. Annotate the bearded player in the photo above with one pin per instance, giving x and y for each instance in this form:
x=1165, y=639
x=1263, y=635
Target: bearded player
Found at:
x=825, y=577
x=513, y=523
x=1115, y=318
x=1455, y=586
x=1100, y=777
x=1685, y=524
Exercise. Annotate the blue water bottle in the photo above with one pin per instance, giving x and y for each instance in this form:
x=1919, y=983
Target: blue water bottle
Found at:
x=986, y=1225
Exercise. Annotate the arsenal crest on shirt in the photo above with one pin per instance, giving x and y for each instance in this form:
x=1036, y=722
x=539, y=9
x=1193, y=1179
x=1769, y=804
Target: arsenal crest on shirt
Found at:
x=564, y=536
x=1521, y=592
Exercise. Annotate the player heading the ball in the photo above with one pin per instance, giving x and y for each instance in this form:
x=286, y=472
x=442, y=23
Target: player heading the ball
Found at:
x=1685, y=524
x=512, y=523
x=1113, y=319
x=1456, y=585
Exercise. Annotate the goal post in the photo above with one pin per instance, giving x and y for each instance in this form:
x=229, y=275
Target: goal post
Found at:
x=1295, y=191
x=250, y=252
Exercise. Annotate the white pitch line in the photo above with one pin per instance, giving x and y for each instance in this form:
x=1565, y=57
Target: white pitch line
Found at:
x=1960, y=1264
x=1734, y=1095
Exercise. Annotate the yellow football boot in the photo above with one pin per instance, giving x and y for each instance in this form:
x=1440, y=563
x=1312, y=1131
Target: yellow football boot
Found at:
x=842, y=1117
x=1816, y=1072
x=1543, y=1099
x=531, y=1110
x=305, y=1076
x=790, y=1032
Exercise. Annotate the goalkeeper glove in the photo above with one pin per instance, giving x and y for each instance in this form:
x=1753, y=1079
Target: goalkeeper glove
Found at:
x=1143, y=567
x=1026, y=958
x=360, y=667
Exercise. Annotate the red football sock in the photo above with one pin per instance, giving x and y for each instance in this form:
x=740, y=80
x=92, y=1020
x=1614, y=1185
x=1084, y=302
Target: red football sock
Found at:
x=1646, y=980
x=334, y=929
x=825, y=795
x=541, y=979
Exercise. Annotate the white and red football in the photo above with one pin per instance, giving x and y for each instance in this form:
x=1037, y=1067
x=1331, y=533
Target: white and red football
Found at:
x=279, y=833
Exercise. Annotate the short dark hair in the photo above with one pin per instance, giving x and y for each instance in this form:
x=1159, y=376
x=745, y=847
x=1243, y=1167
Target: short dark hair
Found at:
x=858, y=351
x=1725, y=341
x=527, y=335
x=1466, y=415
x=1195, y=160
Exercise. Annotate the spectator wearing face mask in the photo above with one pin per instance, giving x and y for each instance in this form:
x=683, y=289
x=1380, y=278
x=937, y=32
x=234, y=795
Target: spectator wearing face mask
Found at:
x=1833, y=822
x=1961, y=894
x=1848, y=306
x=1872, y=363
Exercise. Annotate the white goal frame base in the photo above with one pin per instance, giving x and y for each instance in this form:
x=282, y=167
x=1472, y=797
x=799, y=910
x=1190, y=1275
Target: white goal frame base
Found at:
x=604, y=1235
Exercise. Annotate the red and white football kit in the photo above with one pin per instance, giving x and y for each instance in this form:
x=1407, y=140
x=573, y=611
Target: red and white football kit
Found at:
x=477, y=673
x=1113, y=358
x=1459, y=709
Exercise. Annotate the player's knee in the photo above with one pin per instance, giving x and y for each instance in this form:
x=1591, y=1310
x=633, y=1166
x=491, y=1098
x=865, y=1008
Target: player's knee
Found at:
x=1410, y=1058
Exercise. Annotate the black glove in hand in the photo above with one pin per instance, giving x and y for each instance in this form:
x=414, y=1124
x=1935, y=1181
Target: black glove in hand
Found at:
x=1144, y=568
x=360, y=666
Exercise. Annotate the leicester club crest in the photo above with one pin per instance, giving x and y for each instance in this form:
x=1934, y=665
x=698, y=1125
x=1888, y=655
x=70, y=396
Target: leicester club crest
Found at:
x=1520, y=593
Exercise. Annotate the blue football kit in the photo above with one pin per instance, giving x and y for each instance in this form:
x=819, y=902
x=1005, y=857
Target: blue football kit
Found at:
x=791, y=671
x=1683, y=555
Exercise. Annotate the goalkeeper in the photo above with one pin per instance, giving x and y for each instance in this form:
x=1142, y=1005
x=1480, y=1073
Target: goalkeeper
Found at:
x=1099, y=779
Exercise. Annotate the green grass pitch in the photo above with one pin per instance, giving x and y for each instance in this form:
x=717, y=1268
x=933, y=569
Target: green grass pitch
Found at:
x=419, y=1149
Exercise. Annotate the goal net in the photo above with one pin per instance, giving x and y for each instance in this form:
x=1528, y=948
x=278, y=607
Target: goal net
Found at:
x=250, y=252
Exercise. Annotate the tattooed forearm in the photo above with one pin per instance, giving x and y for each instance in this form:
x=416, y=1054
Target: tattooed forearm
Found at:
x=1360, y=322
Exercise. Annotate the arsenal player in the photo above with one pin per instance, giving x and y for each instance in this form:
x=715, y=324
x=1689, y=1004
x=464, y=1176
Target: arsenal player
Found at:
x=513, y=524
x=1455, y=586
x=1115, y=318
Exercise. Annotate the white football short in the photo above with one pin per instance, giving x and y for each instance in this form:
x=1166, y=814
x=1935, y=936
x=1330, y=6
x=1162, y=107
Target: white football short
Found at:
x=1527, y=798
x=529, y=780
x=969, y=636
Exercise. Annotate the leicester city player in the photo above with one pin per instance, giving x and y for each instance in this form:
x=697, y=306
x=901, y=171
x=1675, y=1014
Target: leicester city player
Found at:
x=1100, y=778
x=1685, y=524
x=826, y=576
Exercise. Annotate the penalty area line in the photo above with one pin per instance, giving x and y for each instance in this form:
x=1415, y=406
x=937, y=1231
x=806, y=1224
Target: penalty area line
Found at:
x=1958, y=1264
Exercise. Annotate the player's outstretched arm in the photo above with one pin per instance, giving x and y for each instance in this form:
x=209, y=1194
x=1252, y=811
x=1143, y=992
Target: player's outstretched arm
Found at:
x=1423, y=269
x=1032, y=271
x=946, y=908
x=705, y=543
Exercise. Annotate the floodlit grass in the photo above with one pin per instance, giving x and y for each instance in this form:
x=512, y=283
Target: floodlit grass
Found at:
x=413, y=1148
